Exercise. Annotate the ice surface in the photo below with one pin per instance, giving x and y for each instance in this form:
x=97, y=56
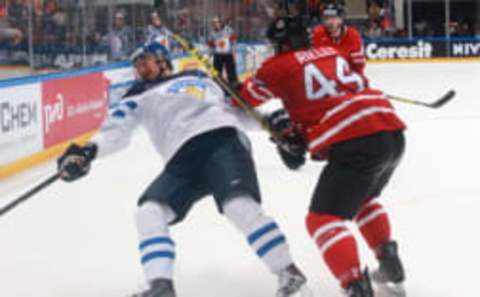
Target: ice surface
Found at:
x=79, y=239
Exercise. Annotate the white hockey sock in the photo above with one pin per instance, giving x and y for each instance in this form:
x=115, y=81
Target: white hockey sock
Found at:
x=157, y=248
x=263, y=233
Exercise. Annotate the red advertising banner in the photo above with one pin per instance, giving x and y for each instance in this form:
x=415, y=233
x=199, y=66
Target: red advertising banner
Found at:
x=73, y=106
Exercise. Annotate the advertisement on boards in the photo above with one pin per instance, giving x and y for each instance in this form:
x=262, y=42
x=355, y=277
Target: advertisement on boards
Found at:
x=465, y=48
x=403, y=50
x=20, y=122
x=73, y=106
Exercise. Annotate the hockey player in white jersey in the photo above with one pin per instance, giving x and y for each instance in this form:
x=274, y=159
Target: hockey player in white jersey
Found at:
x=197, y=131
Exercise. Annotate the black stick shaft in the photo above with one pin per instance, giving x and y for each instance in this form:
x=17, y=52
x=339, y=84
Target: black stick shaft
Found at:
x=29, y=194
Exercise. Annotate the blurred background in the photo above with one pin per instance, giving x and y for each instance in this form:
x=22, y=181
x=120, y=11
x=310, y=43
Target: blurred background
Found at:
x=46, y=35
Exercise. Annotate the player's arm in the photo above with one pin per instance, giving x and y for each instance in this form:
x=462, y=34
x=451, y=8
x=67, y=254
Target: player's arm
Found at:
x=291, y=147
x=211, y=41
x=315, y=35
x=114, y=135
x=117, y=130
x=233, y=36
x=356, y=57
x=257, y=89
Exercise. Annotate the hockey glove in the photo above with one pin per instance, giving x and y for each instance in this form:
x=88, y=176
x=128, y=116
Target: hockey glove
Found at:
x=291, y=147
x=75, y=162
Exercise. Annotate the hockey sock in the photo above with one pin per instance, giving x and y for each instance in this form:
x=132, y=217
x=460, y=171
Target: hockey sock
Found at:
x=337, y=245
x=262, y=232
x=157, y=248
x=373, y=223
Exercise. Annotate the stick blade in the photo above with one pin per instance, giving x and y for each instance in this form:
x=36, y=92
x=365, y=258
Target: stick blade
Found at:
x=444, y=99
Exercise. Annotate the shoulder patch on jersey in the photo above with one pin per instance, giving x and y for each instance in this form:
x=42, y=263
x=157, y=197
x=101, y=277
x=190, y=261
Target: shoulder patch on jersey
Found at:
x=185, y=83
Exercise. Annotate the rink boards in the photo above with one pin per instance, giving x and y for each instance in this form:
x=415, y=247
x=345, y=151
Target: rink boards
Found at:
x=40, y=115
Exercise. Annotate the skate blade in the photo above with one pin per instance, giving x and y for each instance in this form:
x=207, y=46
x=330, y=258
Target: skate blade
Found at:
x=390, y=290
x=304, y=291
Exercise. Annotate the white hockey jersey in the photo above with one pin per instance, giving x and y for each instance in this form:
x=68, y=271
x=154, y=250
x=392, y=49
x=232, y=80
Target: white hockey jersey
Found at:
x=172, y=112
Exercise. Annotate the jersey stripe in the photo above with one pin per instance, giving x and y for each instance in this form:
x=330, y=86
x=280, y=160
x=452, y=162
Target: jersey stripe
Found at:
x=256, y=91
x=346, y=123
x=347, y=103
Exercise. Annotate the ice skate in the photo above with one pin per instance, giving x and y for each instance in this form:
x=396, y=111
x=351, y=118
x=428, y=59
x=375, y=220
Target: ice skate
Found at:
x=292, y=282
x=390, y=275
x=158, y=288
x=360, y=287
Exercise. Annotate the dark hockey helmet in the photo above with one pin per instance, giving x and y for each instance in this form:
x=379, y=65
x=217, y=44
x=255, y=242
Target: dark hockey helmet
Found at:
x=334, y=10
x=154, y=49
x=288, y=33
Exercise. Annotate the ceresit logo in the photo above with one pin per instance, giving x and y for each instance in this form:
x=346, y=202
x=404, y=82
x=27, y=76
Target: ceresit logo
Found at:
x=54, y=112
x=377, y=51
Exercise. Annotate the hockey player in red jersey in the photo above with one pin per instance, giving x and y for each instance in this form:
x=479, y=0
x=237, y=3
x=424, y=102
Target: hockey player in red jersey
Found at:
x=346, y=39
x=335, y=117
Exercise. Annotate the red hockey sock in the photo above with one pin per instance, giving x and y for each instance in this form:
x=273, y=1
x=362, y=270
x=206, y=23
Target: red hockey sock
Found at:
x=372, y=220
x=337, y=246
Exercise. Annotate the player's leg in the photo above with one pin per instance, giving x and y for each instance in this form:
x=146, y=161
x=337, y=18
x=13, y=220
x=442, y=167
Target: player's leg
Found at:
x=353, y=167
x=218, y=63
x=157, y=248
x=334, y=202
x=231, y=174
x=166, y=201
x=231, y=70
x=374, y=224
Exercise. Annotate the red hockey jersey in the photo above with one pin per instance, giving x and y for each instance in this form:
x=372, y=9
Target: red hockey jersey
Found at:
x=350, y=45
x=325, y=99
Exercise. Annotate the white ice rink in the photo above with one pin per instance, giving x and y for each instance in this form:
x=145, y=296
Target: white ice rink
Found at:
x=78, y=239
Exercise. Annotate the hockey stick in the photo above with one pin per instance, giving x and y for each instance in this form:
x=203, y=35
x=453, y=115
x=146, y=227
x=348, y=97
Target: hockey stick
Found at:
x=29, y=194
x=195, y=53
x=435, y=104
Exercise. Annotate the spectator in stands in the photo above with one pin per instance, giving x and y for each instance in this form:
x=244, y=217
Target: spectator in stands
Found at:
x=120, y=40
x=156, y=31
x=379, y=15
x=10, y=33
x=54, y=24
x=222, y=42
x=315, y=10
x=374, y=30
x=422, y=29
x=18, y=14
x=464, y=30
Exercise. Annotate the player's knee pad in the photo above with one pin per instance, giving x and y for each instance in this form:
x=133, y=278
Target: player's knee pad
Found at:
x=152, y=217
x=243, y=211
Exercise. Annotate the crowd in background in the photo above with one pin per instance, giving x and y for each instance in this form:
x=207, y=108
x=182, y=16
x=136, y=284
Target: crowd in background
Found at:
x=49, y=27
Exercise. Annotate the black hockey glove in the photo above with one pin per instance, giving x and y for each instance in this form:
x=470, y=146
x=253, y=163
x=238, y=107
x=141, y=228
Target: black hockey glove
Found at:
x=291, y=147
x=75, y=162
